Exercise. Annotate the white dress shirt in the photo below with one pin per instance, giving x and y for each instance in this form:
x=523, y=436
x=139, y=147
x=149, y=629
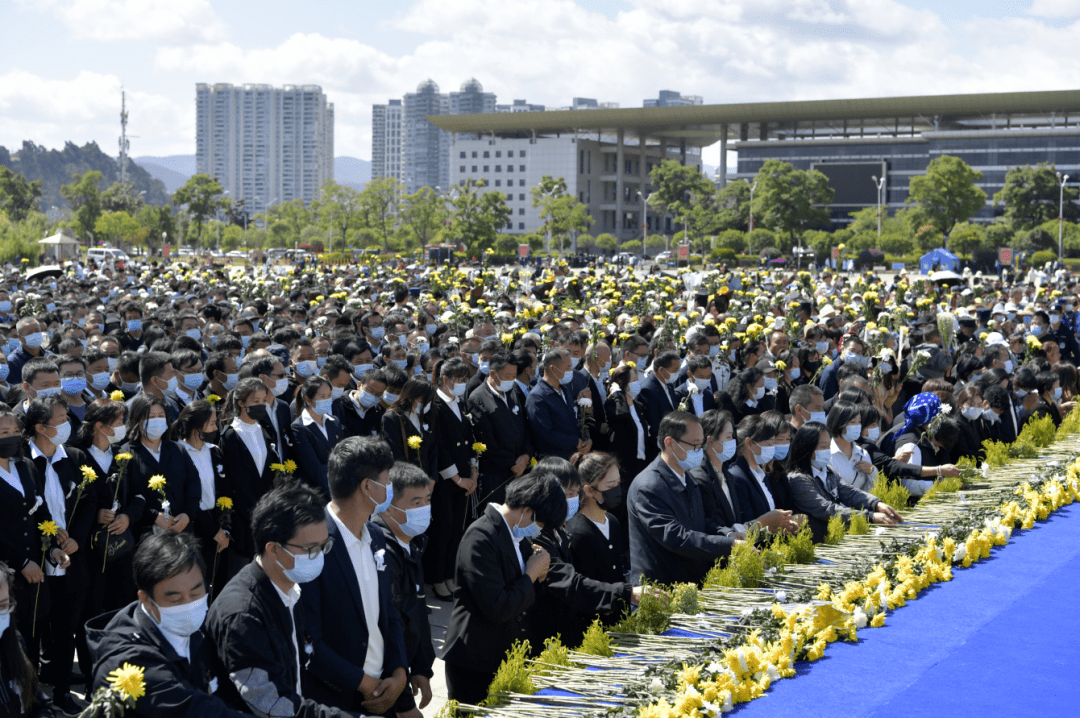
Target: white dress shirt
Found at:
x=252, y=436
x=363, y=563
x=845, y=470
x=290, y=599
x=307, y=420
x=54, y=496
x=204, y=463
x=11, y=478
x=759, y=476
x=102, y=458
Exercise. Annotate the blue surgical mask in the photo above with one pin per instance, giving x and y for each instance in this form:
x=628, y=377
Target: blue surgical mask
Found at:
x=770, y=384
x=305, y=569
x=134, y=325
x=852, y=432
x=194, y=334
x=401, y=364
x=35, y=340
x=641, y=363
x=51, y=391
x=818, y=416
x=795, y=373
x=73, y=386
x=5, y=622
x=765, y=456
x=369, y=400
x=484, y=367
x=5, y=306
x=567, y=377
x=155, y=428
x=378, y=332
x=323, y=406
x=780, y=451
x=821, y=459
x=728, y=452
x=633, y=389
x=822, y=347
x=1036, y=330
x=430, y=328
x=185, y=620
x=524, y=532
x=13, y=344
x=1057, y=393
x=4, y=369
x=873, y=433
x=307, y=368
x=320, y=361
x=360, y=369
x=572, y=505
x=416, y=520
x=1008, y=366
x=381, y=507
x=693, y=459
x=336, y=392
x=193, y=381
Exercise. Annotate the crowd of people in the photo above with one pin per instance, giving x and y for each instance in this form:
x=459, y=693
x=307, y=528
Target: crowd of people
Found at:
x=250, y=482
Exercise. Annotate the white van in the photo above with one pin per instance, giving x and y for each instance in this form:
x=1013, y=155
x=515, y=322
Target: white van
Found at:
x=106, y=254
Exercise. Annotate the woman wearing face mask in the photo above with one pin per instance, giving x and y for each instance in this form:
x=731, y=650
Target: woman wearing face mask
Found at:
x=628, y=429
x=743, y=394
x=754, y=491
x=409, y=417
x=22, y=695
x=569, y=600
x=781, y=445
x=316, y=431
x=248, y=452
x=154, y=455
x=809, y=363
x=817, y=492
x=870, y=420
x=973, y=427
x=786, y=378
x=58, y=467
x=887, y=388
x=196, y=431
x=598, y=547
x=849, y=461
x=457, y=476
x=1050, y=393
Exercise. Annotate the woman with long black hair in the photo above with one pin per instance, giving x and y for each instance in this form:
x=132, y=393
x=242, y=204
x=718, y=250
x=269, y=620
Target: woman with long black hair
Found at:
x=407, y=420
x=316, y=431
x=817, y=492
x=743, y=394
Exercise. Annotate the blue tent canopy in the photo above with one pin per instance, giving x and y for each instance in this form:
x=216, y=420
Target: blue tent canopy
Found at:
x=938, y=259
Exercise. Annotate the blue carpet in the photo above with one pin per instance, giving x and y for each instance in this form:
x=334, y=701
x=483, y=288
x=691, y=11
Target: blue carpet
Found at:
x=1000, y=639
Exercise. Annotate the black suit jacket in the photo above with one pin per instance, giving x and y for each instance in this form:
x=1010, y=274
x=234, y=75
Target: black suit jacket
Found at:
x=492, y=594
x=248, y=484
x=334, y=616
x=708, y=402
x=503, y=430
x=659, y=399
x=19, y=540
x=747, y=491
x=455, y=436
x=282, y=437
x=595, y=555
x=182, y=485
x=718, y=508
x=623, y=433
x=208, y=522
x=352, y=423
x=397, y=429
x=312, y=449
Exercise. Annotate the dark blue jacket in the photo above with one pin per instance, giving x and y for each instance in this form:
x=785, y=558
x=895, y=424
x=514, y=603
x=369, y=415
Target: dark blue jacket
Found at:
x=553, y=419
x=671, y=539
x=312, y=449
x=708, y=402
x=747, y=493
x=334, y=617
x=828, y=381
x=15, y=361
x=659, y=399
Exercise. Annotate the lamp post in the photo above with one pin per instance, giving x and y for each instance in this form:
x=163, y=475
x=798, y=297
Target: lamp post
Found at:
x=644, y=221
x=752, y=188
x=1061, y=212
x=880, y=184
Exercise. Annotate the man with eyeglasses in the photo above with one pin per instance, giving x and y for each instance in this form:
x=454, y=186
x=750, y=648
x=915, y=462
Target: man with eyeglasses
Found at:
x=671, y=539
x=257, y=623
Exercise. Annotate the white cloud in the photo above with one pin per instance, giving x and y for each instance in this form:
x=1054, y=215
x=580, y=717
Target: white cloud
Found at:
x=1055, y=8
x=50, y=112
x=164, y=21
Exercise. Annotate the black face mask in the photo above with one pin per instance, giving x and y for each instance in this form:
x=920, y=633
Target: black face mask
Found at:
x=612, y=497
x=257, y=412
x=10, y=446
x=211, y=436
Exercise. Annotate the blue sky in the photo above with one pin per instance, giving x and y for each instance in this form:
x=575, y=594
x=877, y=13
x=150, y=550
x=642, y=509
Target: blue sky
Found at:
x=65, y=60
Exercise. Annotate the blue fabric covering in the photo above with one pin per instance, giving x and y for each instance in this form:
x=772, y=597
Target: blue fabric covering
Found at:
x=998, y=640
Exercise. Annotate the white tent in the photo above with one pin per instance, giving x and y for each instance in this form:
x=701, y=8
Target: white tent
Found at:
x=61, y=245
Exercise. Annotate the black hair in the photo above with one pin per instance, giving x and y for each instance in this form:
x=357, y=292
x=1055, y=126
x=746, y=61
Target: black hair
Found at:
x=778, y=422
x=499, y=360
x=404, y=475
x=182, y=358
x=561, y=469
x=840, y=415
x=740, y=388
x=674, y=424
x=193, y=418
x=713, y=421
x=354, y=459
x=38, y=365
x=453, y=368
x=803, y=446
x=308, y=390
x=282, y=511
x=161, y=556
x=542, y=494
x=138, y=412
x=755, y=428
x=104, y=410
x=664, y=359
x=1046, y=380
x=803, y=394
x=21, y=673
x=152, y=365
x=593, y=466
x=241, y=392
x=40, y=412
x=417, y=388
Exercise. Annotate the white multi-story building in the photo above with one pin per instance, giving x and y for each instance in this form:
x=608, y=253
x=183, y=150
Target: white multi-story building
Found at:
x=589, y=165
x=387, y=145
x=264, y=144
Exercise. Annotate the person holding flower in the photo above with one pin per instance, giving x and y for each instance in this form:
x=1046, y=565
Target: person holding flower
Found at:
x=158, y=638
x=406, y=427
x=63, y=487
x=152, y=456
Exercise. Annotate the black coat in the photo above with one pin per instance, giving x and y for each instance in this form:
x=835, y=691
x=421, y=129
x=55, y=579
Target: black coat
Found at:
x=207, y=523
x=568, y=600
x=79, y=513
x=282, y=437
x=594, y=555
x=182, y=485
x=492, y=595
x=352, y=423
x=502, y=427
x=334, y=616
x=20, y=541
x=248, y=484
x=747, y=491
x=398, y=429
x=671, y=540
x=718, y=508
x=624, y=436
x=175, y=686
x=659, y=399
x=455, y=436
x=312, y=450
x=251, y=629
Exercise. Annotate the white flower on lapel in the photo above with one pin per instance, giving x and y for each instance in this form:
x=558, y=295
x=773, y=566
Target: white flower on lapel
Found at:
x=515, y=410
x=584, y=402
x=426, y=427
x=213, y=685
x=37, y=503
x=380, y=560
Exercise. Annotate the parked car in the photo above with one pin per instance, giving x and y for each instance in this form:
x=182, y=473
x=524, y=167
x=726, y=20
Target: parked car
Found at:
x=236, y=253
x=106, y=254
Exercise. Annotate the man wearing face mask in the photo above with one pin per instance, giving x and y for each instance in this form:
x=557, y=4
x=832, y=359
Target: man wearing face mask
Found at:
x=358, y=659
x=852, y=353
x=699, y=374
x=403, y=527
x=265, y=646
x=1060, y=333
x=161, y=632
x=658, y=393
x=269, y=370
x=552, y=409
x=31, y=339
x=499, y=422
x=159, y=379
x=671, y=539
x=597, y=367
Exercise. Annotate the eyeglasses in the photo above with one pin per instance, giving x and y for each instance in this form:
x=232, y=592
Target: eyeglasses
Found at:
x=693, y=447
x=314, y=551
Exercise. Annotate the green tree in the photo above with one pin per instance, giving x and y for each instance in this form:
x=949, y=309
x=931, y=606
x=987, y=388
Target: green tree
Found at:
x=945, y=196
x=84, y=196
x=341, y=208
x=157, y=220
x=819, y=241
x=733, y=206
x=506, y=244
x=120, y=226
x=565, y=215
x=380, y=202
x=201, y=195
x=424, y=214
x=689, y=196
x=607, y=242
x=286, y=222
x=966, y=238
x=733, y=239
x=632, y=246
x=1032, y=196
x=788, y=200
x=896, y=243
x=656, y=243
x=477, y=217
x=119, y=197
x=761, y=239
x=999, y=234
x=18, y=198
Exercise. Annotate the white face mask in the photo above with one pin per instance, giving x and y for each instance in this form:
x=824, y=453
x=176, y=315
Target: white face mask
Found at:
x=728, y=451
x=758, y=393
x=765, y=456
x=873, y=433
x=770, y=384
x=185, y=620
x=702, y=384
x=821, y=459
x=458, y=389
x=852, y=432
x=971, y=413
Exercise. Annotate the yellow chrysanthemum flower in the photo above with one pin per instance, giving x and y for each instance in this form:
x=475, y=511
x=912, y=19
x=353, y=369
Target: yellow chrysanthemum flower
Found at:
x=157, y=483
x=123, y=457
x=277, y=467
x=224, y=503
x=117, y=395
x=128, y=680
x=414, y=442
x=213, y=398
x=88, y=474
x=479, y=447
x=48, y=528
x=290, y=466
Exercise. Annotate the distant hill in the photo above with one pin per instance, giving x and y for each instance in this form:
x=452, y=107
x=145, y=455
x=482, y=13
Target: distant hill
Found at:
x=56, y=167
x=174, y=170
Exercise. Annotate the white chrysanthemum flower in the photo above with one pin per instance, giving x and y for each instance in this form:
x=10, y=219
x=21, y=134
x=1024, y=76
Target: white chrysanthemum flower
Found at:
x=959, y=553
x=656, y=685
x=860, y=618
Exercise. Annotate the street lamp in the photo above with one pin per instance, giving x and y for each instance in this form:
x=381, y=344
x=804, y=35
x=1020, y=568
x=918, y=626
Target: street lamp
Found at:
x=1061, y=212
x=644, y=220
x=752, y=188
x=880, y=184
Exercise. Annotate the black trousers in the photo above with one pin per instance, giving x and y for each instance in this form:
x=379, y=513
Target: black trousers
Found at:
x=449, y=514
x=68, y=594
x=467, y=685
